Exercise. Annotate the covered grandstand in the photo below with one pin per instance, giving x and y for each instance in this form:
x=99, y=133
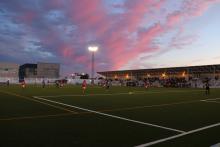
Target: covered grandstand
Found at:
x=193, y=76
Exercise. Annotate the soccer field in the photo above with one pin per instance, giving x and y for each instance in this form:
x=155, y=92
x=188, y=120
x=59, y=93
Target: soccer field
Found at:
x=121, y=116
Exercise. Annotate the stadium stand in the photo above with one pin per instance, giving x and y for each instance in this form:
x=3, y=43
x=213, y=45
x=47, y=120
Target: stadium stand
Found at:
x=191, y=76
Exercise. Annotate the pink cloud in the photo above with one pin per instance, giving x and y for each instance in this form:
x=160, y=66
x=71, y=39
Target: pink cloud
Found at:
x=82, y=59
x=67, y=52
x=174, y=18
x=146, y=38
x=123, y=36
x=129, y=48
x=198, y=7
x=114, y=31
x=28, y=17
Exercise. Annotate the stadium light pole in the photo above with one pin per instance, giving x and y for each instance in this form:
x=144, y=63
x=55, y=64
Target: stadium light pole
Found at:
x=93, y=49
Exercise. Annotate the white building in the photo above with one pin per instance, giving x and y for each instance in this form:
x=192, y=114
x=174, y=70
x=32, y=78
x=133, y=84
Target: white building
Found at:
x=9, y=71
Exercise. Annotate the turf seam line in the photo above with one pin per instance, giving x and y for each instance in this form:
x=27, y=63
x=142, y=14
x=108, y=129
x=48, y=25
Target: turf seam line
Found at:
x=113, y=116
x=113, y=110
x=177, y=136
x=35, y=116
x=31, y=99
x=151, y=106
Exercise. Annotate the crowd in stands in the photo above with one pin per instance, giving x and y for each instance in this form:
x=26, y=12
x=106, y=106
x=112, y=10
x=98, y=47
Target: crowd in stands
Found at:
x=175, y=82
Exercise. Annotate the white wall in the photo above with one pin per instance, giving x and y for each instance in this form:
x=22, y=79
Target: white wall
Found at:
x=11, y=80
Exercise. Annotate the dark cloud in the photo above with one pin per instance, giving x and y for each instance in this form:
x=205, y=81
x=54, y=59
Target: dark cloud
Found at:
x=61, y=30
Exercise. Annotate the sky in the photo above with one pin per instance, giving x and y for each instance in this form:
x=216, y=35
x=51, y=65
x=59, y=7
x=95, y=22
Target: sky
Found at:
x=130, y=34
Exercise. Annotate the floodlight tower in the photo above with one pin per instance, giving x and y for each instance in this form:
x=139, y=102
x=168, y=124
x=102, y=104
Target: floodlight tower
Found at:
x=93, y=49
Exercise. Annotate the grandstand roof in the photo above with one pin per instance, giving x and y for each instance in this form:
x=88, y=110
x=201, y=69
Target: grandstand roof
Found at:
x=29, y=65
x=190, y=69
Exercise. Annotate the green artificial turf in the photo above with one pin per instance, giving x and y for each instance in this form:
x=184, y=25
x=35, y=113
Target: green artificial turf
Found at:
x=26, y=121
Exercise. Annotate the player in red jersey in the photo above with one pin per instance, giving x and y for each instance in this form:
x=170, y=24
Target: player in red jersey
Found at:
x=146, y=85
x=84, y=86
x=23, y=84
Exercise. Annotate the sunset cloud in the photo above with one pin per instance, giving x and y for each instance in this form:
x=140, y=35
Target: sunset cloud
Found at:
x=61, y=30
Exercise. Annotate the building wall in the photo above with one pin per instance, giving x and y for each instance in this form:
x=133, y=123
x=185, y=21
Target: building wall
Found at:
x=48, y=70
x=28, y=71
x=9, y=70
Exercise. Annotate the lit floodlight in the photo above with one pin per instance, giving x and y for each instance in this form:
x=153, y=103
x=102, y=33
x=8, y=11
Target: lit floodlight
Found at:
x=93, y=48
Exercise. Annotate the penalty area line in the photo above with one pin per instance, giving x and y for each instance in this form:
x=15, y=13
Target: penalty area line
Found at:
x=179, y=135
x=109, y=115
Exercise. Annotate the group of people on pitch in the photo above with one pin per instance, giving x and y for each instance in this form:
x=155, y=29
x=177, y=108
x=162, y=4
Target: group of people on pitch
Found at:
x=107, y=86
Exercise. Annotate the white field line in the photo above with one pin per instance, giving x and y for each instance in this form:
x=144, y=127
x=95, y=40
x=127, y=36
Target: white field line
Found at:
x=169, y=91
x=210, y=101
x=152, y=106
x=125, y=93
x=109, y=115
x=31, y=99
x=179, y=135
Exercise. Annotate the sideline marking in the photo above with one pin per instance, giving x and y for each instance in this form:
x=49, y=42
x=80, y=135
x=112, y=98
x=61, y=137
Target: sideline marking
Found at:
x=28, y=98
x=113, y=116
x=124, y=93
x=177, y=136
x=210, y=101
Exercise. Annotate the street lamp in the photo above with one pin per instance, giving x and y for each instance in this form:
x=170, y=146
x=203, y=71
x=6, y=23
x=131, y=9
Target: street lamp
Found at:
x=93, y=49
